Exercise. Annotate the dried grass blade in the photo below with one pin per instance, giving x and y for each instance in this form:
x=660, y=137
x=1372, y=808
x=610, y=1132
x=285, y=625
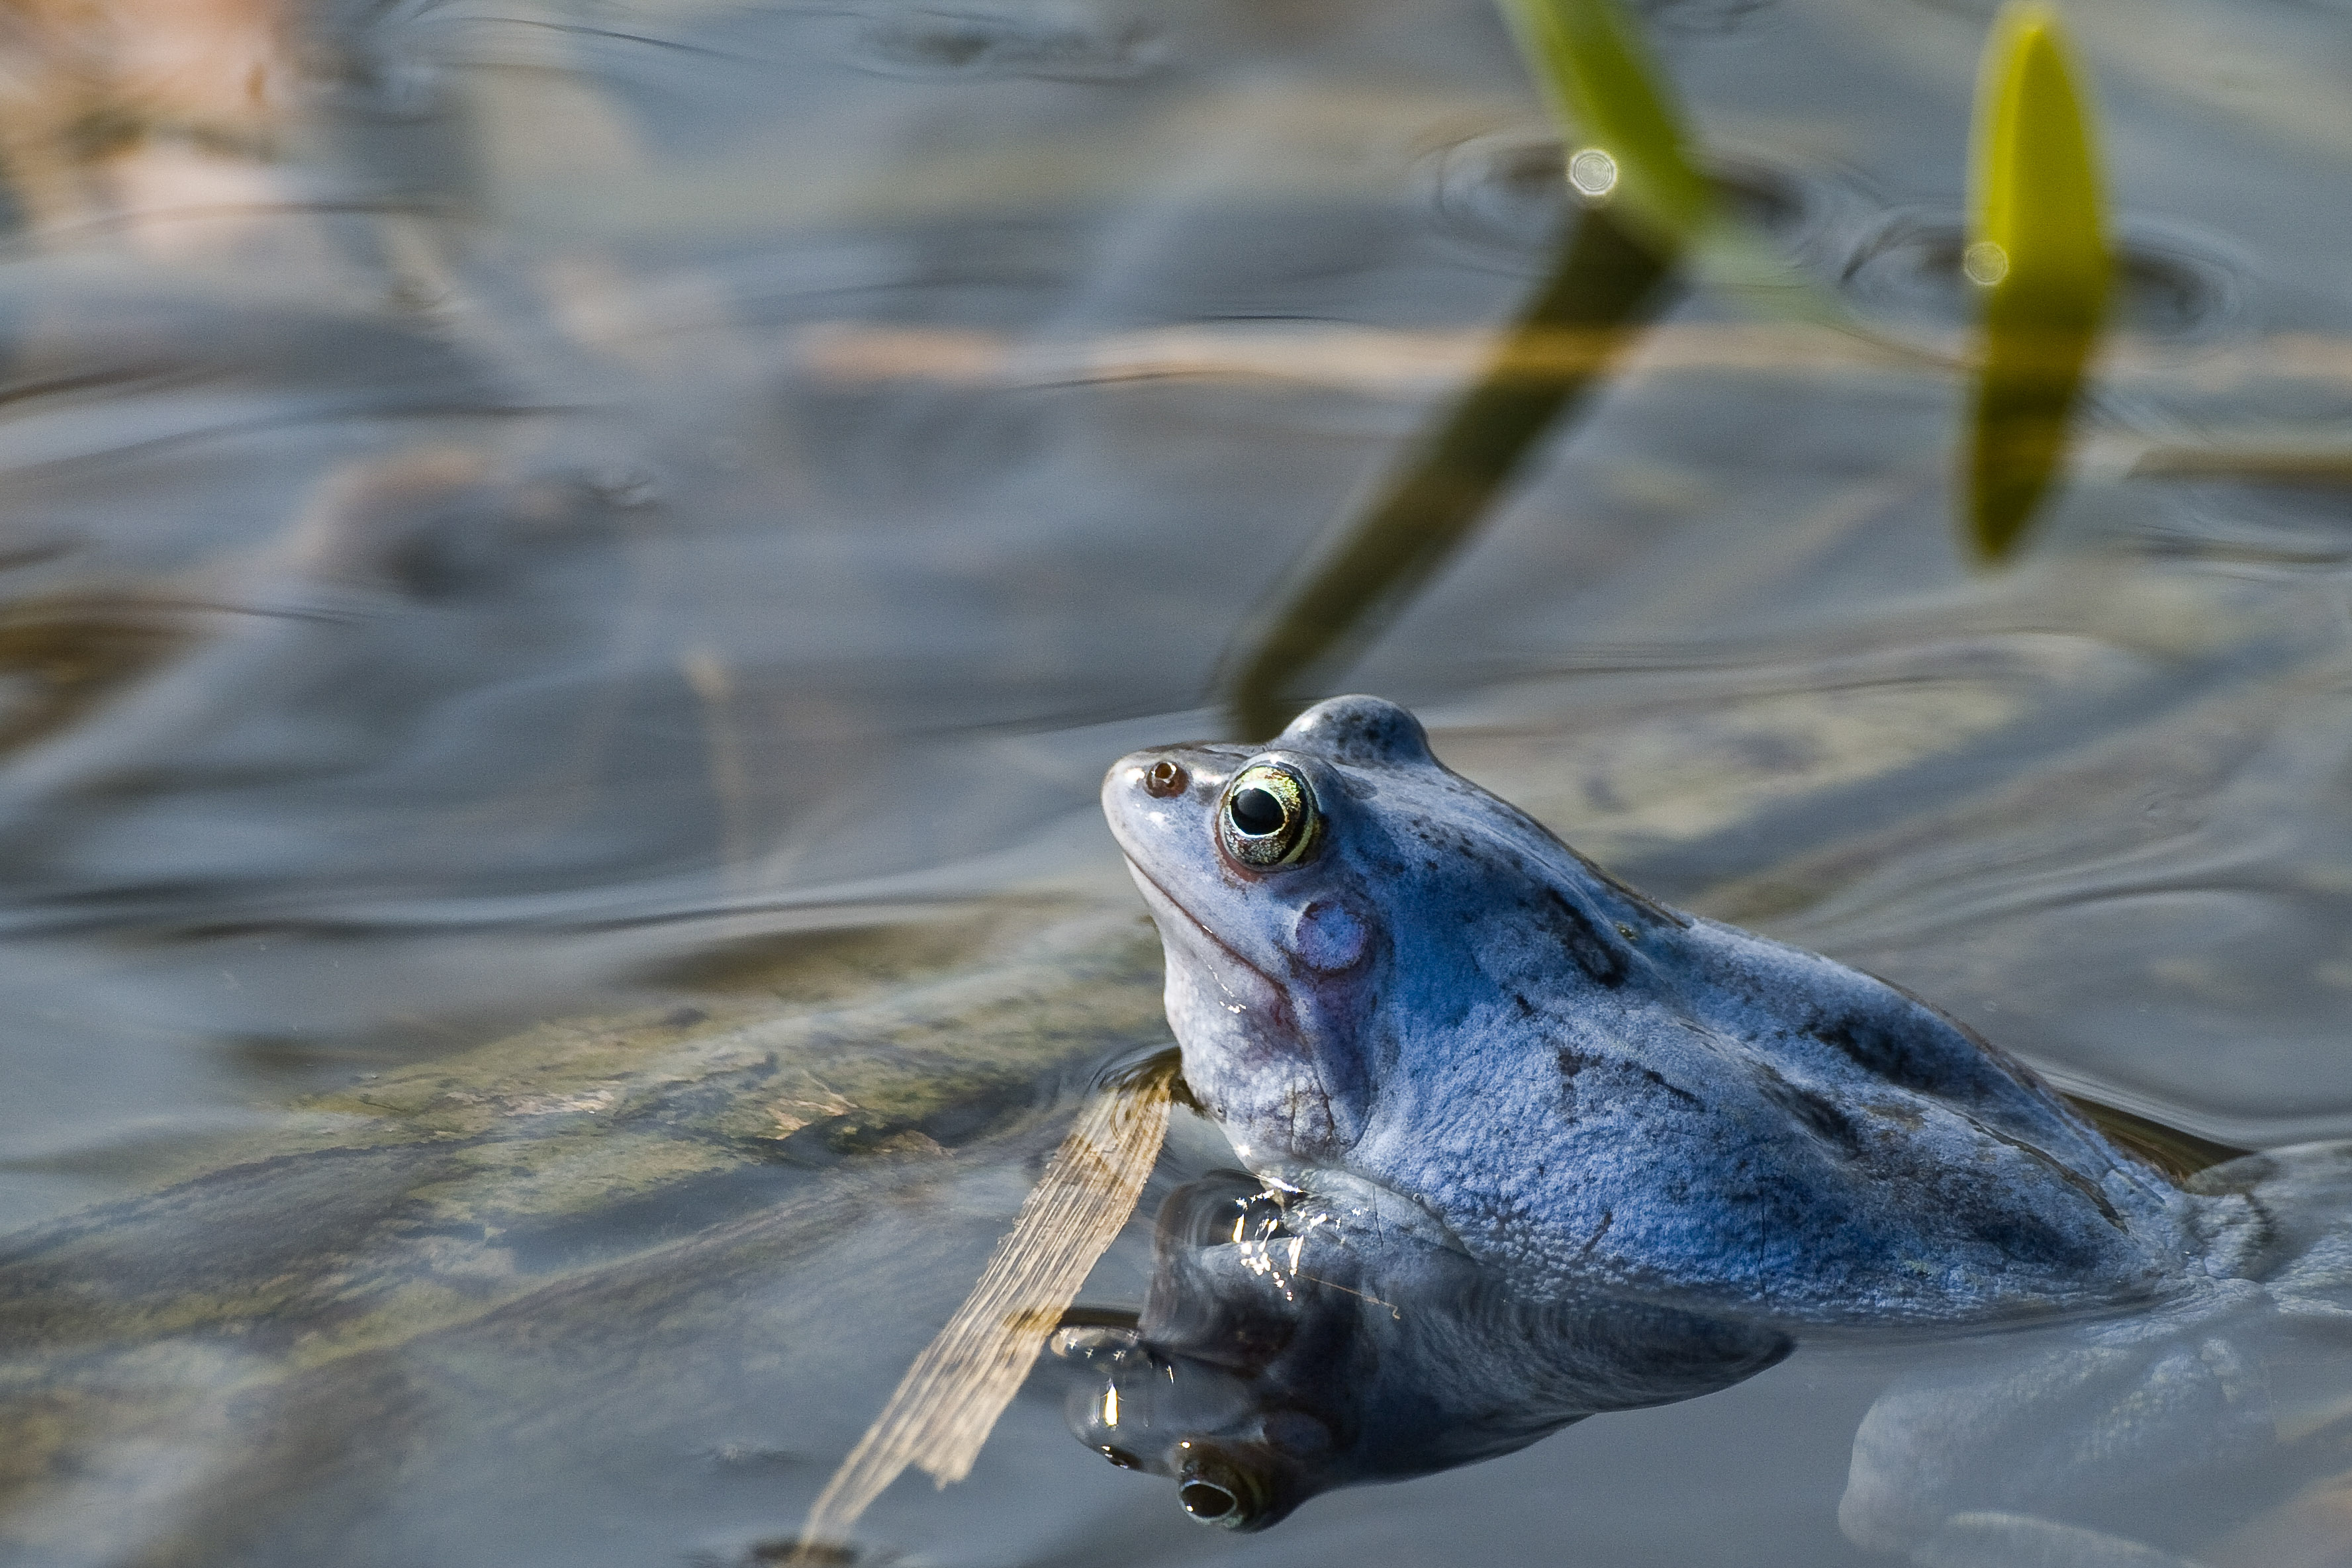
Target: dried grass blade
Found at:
x=945, y=1407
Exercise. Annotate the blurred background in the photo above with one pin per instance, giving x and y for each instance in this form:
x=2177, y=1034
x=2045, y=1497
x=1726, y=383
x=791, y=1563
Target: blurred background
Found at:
x=519, y=512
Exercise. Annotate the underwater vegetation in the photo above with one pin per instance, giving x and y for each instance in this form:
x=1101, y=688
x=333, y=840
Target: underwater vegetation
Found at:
x=2037, y=250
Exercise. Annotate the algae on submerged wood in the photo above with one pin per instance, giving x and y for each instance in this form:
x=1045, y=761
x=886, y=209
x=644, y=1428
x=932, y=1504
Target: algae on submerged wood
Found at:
x=506, y=1181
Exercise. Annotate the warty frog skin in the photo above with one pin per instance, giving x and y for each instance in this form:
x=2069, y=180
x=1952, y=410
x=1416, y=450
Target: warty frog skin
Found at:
x=1377, y=969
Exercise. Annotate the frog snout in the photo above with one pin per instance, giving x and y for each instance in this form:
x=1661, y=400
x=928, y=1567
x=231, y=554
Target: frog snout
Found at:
x=1158, y=788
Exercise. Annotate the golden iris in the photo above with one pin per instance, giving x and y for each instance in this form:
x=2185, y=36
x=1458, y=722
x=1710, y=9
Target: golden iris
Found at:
x=1268, y=817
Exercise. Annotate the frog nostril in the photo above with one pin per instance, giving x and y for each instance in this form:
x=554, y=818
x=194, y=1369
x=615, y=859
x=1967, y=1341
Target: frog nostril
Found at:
x=1164, y=778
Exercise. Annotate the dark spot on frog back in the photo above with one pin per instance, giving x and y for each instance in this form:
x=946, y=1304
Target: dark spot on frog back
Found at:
x=1576, y=1064
x=1813, y=1111
x=1921, y=1050
x=1585, y=940
x=2028, y=1240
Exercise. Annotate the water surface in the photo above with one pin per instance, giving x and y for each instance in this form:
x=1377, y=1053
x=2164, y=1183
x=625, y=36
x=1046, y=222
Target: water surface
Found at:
x=569, y=572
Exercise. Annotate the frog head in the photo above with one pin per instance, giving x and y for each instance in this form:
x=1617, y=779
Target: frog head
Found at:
x=1330, y=898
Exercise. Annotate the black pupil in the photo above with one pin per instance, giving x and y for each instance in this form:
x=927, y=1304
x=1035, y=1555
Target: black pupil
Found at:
x=1205, y=1500
x=1256, y=812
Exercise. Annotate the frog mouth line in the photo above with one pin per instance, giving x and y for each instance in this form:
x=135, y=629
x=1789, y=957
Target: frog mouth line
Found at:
x=1289, y=1117
x=1151, y=885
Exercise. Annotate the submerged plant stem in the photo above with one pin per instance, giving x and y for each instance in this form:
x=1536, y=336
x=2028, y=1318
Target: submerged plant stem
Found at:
x=1605, y=285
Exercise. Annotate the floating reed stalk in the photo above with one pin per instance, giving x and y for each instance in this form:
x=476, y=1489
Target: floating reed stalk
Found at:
x=944, y=1408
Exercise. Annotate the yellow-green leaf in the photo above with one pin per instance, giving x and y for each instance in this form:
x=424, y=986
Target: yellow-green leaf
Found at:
x=1600, y=80
x=2037, y=248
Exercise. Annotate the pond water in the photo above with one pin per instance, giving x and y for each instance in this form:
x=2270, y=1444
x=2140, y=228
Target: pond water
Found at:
x=569, y=573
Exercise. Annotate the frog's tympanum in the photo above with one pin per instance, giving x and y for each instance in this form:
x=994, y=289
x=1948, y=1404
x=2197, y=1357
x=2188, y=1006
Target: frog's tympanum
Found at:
x=1377, y=969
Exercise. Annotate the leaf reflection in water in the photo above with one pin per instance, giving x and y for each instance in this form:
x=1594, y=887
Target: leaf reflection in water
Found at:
x=1293, y=1343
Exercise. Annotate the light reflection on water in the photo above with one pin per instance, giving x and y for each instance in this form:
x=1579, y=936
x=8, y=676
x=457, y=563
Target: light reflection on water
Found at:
x=450, y=584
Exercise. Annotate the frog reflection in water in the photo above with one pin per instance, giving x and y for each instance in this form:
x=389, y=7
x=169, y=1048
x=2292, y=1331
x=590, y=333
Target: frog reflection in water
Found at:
x=1290, y=1347
x=1650, y=1151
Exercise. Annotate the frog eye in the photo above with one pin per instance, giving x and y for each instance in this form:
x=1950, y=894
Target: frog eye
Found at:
x=1268, y=817
x=1215, y=1490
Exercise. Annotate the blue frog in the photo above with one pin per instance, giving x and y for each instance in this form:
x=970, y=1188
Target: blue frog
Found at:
x=1534, y=1146
x=1378, y=970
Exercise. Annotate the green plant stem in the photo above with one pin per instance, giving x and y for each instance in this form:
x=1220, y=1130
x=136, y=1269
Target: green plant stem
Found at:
x=1605, y=285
